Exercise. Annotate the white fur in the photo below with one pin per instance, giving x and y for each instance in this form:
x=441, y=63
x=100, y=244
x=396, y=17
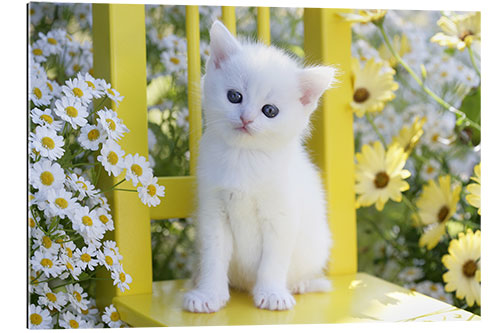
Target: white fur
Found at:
x=262, y=221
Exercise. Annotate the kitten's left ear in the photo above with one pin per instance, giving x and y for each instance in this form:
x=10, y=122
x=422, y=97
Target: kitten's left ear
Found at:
x=313, y=82
x=222, y=43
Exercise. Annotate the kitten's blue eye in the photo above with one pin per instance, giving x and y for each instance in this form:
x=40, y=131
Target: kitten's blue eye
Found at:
x=270, y=111
x=234, y=97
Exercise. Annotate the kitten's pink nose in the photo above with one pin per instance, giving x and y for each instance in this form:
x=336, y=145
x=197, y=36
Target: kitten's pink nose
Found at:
x=245, y=121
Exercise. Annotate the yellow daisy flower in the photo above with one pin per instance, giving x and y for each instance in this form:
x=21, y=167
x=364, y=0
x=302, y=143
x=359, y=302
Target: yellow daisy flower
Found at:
x=373, y=86
x=409, y=136
x=464, y=267
x=458, y=31
x=474, y=198
x=364, y=15
x=400, y=44
x=436, y=205
x=379, y=175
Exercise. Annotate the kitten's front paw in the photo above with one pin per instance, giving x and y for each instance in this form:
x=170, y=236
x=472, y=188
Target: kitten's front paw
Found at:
x=273, y=299
x=198, y=300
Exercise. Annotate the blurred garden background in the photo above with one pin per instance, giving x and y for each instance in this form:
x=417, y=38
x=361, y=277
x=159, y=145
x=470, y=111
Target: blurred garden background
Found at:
x=416, y=106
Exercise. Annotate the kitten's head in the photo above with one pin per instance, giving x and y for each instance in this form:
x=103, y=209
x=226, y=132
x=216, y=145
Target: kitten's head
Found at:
x=256, y=96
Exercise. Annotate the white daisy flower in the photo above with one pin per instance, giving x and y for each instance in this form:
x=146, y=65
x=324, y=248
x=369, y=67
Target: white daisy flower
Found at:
x=105, y=218
x=38, y=51
x=91, y=136
x=111, y=158
x=52, y=44
x=45, y=175
x=410, y=274
x=91, y=315
x=99, y=200
x=51, y=299
x=85, y=257
x=94, y=85
x=77, y=297
x=67, y=247
x=74, y=269
x=61, y=203
x=120, y=278
x=70, y=320
x=39, y=318
x=113, y=125
x=137, y=169
x=78, y=89
x=111, y=317
x=54, y=88
x=71, y=110
x=44, y=243
x=173, y=61
x=46, y=262
x=87, y=223
x=150, y=192
x=152, y=141
x=430, y=169
x=45, y=118
x=39, y=92
x=111, y=245
x=47, y=142
x=32, y=223
x=112, y=94
x=79, y=184
x=108, y=259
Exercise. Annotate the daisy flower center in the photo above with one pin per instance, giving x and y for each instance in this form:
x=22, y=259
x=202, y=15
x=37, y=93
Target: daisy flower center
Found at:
x=82, y=184
x=37, y=92
x=469, y=268
x=85, y=257
x=47, y=178
x=175, y=60
x=104, y=219
x=435, y=137
x=35, y=319
x=52, y=41
x=37, y=52
x=90, y=84
x=151, y=190
x=76, y=67
x=443, y=213
x=45, y=117
x=123, y=278
x=109, y=260
x=87, y=221
x=32, y=222
x=112, y=158
x=381, y=179
x=110, y=92
x=361, y=95
x=61, y=203
x=48, y=143
x=111, y=124
x=77, y=92
x=71, y=111
x=136, y=168
x=51, y=297
x=50, y=86
x=430, y=169
x=77, y=295
x=465, y=34
x=93, y=134
x=73, y=323
x=69, y=266
x=46, y=242
x=47, y=263
x=85, y=312
x=115, y=316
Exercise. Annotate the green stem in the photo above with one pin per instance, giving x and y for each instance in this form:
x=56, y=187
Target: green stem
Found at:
x=370, y=119
x=78, y=164
x=112, y=187
x=389, y=240
x=125, y=190
x=473, y=61
x=462, y=116
x=412, y=207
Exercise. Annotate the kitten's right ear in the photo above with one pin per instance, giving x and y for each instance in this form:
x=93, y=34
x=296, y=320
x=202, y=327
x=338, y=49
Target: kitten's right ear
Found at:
x=222, y=43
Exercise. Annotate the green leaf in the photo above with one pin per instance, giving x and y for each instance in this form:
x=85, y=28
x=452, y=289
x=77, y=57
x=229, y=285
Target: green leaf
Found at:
x=471, y=105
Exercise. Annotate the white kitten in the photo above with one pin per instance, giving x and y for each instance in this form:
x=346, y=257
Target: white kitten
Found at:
x=262, y=221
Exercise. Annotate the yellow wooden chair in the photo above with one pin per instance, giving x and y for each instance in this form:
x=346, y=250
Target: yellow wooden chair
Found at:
x=120, y=57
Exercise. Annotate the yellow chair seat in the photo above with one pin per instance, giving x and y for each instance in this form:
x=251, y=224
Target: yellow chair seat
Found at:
x=356, y=298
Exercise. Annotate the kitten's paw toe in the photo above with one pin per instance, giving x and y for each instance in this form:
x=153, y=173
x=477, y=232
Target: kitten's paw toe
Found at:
x=273, y=299
x=201, y=301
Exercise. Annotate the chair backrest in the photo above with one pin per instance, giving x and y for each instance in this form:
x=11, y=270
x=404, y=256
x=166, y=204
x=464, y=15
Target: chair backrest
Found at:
x=120, y=58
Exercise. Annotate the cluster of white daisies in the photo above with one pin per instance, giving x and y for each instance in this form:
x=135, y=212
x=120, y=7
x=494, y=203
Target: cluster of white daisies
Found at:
x=68, y=214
